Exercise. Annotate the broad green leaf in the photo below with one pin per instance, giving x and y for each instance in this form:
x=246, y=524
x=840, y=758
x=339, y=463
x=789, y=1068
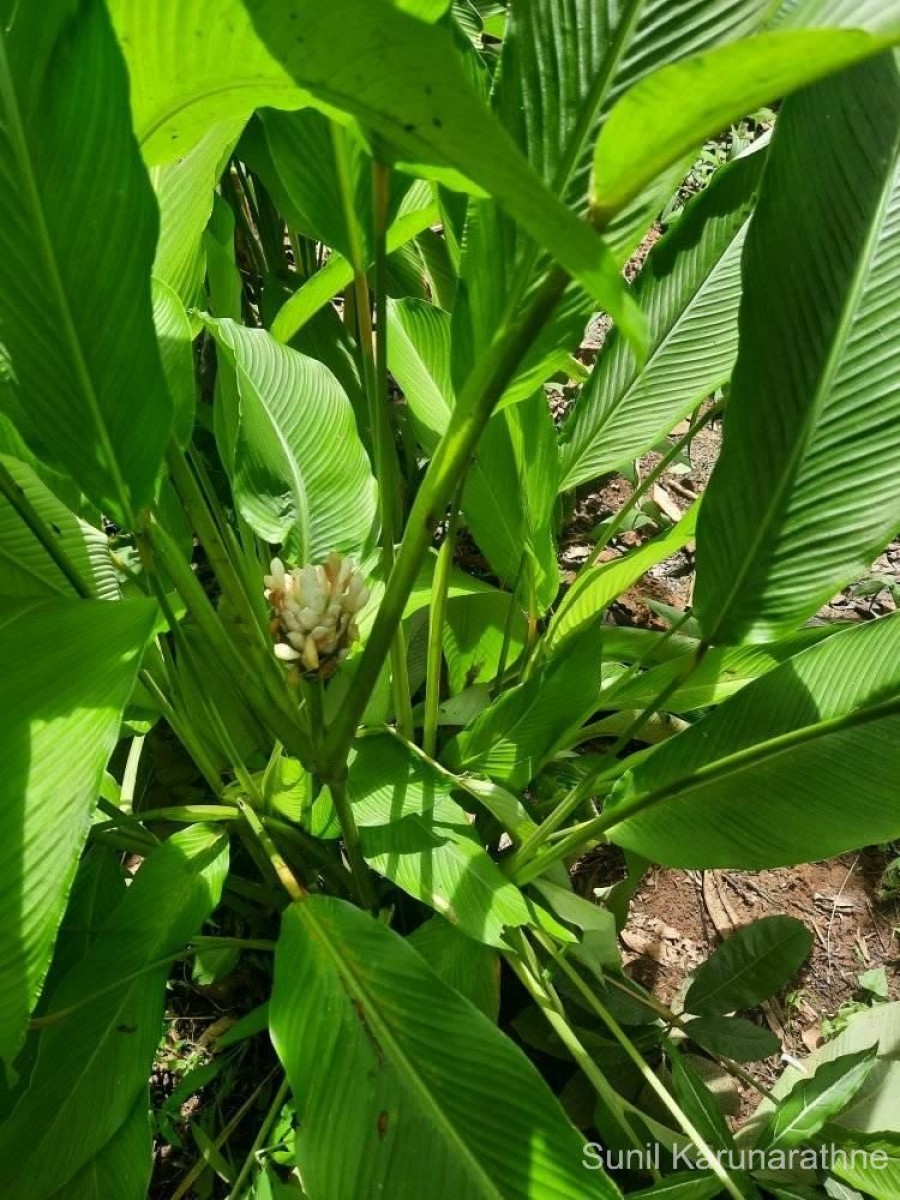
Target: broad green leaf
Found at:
x=693, y=1185
x=790, y=769
x=82, y=380
x=416, y=835
x=721, y=673
x=98, y=888
x=474, y=631
x=703, y=95
x=813, y=1101
x=68, y=670
x=92, y=1066
x=750, y=966
x=812, y=422
x=388, y=781
x=875, y=1107
x=509, y=496
x=598, y=948
x=689, y=287
x=462, y=586
x=314, y=293
x=870, y=1162
x=874, y=15
x=437, y=857
x=419, y=359
x=699, y=1104
x=597, y=587
x=301, y=474
x=185, y=191
x=562, y=67
x=469, y=967
x=173, y=332
x=403, y=1087
x=733, y=1037
x=26, y=569
x=296, y=157
x=193, y=64
x=427, y=117
x=509, y=501
x=510, y=741
x=122, y=1167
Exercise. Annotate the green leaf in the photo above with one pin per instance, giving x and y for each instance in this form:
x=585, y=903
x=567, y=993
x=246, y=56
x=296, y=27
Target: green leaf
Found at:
x=813, y=1101
x=403, y=1087
x=173, y=332
x=810, y=742
x=875, y=1106
x=414, y=217
x=92, y=1065
x=469, y=967
x=509, y=500
x=693, y=1185
x=419, y=359
x=510, y=741
x=77, y=208
x=426, y=118
x=185, y=191
x=699, y=1104
x=598, y=948
x=750, y=966
x=733, y=1037
x=418, y=837
x=816, y=390
x=721, y=673
x=689, y=287
x=193, y=64
x=870, y=1162
x=702, y=96
x=122, y=1167
x=26, y=569
x=509, y=497
x=473, y=638
x=596, y=587
x=295, y=156
x=69, y=667
x=562, y=66
x=873, y=15
x=301, y=474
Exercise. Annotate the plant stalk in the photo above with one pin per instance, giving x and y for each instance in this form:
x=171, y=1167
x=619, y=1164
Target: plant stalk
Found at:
x=474, y=406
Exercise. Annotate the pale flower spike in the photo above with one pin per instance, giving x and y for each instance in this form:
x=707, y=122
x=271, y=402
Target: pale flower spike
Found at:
x=313, y=611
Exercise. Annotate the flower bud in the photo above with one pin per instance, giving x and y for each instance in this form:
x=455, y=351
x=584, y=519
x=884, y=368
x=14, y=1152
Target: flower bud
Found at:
x=313, y=611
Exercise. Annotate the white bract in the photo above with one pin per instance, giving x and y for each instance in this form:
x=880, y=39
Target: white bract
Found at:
x=314, y=609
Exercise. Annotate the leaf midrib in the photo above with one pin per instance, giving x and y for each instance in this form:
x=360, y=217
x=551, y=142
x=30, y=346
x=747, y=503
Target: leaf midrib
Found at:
x=639, y=375
x=299, y=489
x=345, y=972
x=16, y=133
x=810, y=421
x=746, y=759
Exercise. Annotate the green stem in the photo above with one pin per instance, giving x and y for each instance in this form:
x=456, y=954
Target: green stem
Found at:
x=644, y=1068
x=473, y=409
x=550, y=1005
x=437, y=614
x=524, y=866
x=656, y=729
x=286, y=877
x=352, y=842
x=284, y=724
x=206, y=529
x=260, y=1139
